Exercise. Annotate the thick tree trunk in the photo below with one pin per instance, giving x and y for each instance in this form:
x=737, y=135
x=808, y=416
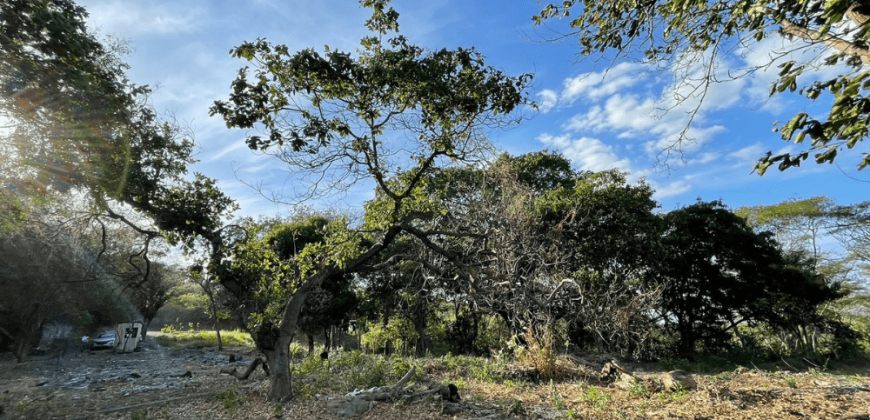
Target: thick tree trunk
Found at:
x=275, y=342
x=145, y=323
x=280, y=389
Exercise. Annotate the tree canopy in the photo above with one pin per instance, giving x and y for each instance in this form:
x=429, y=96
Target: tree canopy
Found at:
x=695, y=32
x=392, y=108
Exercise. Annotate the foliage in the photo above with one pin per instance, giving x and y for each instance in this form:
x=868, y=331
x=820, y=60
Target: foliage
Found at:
x=183, y=339
x=599, y=399
x=395, y=335
x=50, y=266
x=516, y=408
x=62, y=93
x=538, y=353
x=689, y=33
x=331, y=117
x=719, y=274
x=230, y=398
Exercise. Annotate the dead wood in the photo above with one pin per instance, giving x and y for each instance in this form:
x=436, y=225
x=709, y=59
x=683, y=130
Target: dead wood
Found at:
x=253, y=366
x=400, y=390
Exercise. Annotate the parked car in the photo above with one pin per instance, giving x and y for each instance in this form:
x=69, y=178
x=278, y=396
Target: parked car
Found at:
x=105, y=339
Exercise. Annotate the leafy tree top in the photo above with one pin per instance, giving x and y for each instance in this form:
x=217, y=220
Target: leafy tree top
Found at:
x=690, y=32
x=391, y=107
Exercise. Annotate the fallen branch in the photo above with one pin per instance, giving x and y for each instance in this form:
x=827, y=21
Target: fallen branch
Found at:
x=242, y=376
x=146, y=404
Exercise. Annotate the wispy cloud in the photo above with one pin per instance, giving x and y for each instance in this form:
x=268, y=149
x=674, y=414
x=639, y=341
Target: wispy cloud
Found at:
x=548, y=100
x=128, y=18
x=597, y=85
x=670, y=190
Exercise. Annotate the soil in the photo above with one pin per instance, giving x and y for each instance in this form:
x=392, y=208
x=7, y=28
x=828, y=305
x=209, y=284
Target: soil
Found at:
x=159, y=383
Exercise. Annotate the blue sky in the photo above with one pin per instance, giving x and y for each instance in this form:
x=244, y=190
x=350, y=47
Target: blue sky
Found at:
x=599, y=115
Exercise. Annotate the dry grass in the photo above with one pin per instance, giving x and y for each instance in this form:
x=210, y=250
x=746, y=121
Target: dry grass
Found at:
x=738, y=394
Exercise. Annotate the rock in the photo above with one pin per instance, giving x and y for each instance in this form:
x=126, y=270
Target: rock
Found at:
x=186, y=374
x=626, y=381
x=677, y=379
x=349, y=407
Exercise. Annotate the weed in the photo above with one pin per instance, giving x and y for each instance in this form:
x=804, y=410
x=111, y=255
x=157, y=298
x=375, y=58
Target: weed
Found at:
x=791, y=382
x=538, y=353
x=24, y=407
x=278, y=409
x=478, y=397
x=370, y=374
x=510, y=384
x=571, y=414
x=622, y=414
x=460, y=383
x=638, y=389
x=230, y=397
x=599, y=399
x=721, y=376
x=558, y=401
x=138, y=415
x=517, y=408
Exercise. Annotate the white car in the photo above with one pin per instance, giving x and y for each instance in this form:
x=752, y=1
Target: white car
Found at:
x=105, y=339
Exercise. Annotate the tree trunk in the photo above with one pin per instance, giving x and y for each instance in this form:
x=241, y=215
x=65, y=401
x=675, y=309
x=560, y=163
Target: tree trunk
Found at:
x=21, y=348
x=145, y=323
x=278, y=359
x=275, y=342
x=217, y=325
x=31, y=332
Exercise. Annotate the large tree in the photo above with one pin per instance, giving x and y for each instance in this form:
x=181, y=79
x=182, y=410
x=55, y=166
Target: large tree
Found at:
x=689, y=32
x=49, y=274
x=392, y=107
x=74, y=122
x=720, y=274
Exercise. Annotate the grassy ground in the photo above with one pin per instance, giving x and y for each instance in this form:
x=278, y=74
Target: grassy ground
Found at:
x=175, y=339
x=725, y=388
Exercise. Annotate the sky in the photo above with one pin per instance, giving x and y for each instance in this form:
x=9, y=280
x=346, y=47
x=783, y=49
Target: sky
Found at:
x=597, y=113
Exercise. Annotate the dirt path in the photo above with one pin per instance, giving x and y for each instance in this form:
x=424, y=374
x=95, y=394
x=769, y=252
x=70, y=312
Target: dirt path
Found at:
x=86, y=385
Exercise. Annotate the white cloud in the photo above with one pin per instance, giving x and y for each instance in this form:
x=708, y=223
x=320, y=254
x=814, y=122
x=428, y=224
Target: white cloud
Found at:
x=549, y=98
x=747, y=155
x=670, y=190
x=127, y=18
x=703, y=158
x=596, y=86
x=233, y=147
x=587, y=153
